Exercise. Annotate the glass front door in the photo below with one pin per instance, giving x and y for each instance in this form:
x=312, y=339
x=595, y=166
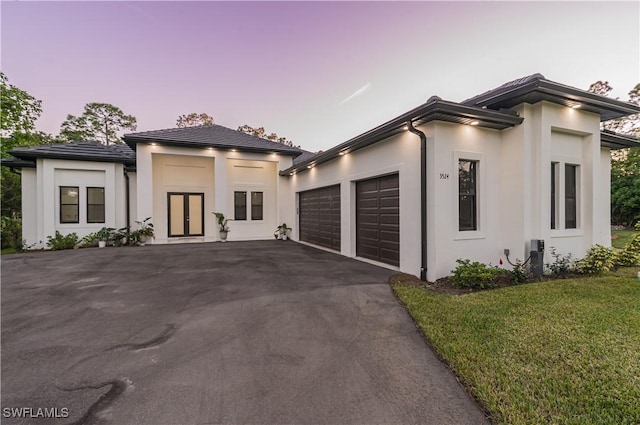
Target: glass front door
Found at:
x=186, y=214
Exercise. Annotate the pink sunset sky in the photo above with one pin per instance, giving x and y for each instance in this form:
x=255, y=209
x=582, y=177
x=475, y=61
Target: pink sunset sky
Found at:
x=316, y=73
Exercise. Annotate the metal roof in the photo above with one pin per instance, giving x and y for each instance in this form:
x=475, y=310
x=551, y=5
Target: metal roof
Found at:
x=214, y=136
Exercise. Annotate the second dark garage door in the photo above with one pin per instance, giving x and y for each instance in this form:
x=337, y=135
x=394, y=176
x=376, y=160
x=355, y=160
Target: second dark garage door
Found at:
x=320, y=217
x=378, y=219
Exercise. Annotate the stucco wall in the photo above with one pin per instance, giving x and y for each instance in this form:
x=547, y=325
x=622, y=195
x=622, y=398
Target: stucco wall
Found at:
x=399, y=154
x=29, y=206
x=183, y=174
x=253, y=176
x=450, y=143
x=216, y=179
x=50, y=175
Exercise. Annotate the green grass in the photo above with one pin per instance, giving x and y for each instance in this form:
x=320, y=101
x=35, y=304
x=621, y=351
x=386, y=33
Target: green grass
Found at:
x=556, y=352
x=8, y=251
x=623, y=237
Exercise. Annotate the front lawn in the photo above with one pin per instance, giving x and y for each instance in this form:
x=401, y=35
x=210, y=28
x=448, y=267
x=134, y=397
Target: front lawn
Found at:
x=555, y=352
x=619, y=238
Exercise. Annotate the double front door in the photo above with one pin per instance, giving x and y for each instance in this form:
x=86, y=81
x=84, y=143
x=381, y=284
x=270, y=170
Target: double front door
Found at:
x=186, y=214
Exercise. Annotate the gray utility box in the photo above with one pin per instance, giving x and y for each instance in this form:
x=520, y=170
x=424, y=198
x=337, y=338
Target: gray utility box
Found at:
x=537, y=257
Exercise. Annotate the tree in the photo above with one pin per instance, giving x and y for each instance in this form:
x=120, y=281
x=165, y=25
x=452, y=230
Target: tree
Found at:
x=625, y=164
x=625, y=188
x=19, y=110
x=19, y=114
x=260, y=132
x=629, y=125
x=99, y=121
x=193, y=120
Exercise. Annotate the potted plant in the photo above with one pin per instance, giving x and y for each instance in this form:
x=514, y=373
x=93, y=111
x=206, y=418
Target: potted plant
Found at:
x=144, y=231
x=282, y=232
x=104, y=235
x=223, y=225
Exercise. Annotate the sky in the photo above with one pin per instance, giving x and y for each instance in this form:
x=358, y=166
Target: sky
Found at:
x=317, y=73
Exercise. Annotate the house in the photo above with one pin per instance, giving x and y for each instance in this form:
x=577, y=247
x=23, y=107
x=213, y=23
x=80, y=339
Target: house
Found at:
x=446, y=180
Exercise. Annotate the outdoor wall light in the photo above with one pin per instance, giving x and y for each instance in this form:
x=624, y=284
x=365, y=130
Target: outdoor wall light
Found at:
x=474, y=122
x=153, y=144
x=576, y=106
x=310, y=166
x=342, y=153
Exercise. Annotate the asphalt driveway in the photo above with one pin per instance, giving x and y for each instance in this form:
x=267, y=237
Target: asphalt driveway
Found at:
x=266, y=332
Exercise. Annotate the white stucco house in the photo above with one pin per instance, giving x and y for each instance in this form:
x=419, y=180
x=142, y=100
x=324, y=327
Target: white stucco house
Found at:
x=446, y=180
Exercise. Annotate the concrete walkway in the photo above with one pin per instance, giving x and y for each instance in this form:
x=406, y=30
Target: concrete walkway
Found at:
x=266, y=332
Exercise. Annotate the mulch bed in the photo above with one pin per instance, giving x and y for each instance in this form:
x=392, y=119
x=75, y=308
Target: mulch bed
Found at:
x=445, y=285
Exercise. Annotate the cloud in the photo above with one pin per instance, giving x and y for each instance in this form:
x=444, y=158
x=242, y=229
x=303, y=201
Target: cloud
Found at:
x=357, y=93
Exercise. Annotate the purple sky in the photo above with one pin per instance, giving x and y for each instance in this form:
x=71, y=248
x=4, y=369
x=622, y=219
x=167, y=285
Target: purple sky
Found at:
x=316, y=73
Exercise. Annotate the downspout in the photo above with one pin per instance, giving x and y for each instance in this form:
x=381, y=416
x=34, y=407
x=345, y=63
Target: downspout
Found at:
x=423, y=198
x=127, y=202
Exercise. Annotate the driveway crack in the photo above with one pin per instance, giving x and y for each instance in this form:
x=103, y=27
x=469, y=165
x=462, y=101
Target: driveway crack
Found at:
x=165, y=335
x=117, y=388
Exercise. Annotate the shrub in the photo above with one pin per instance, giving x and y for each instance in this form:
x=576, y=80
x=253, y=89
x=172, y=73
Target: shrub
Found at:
x=626, y=258
x=89, y=240
x=599, y=259
x=60, y=241
x=561, y=265
x=520, y=272
x=474, y=275
x=633, y=244
x=11, y=233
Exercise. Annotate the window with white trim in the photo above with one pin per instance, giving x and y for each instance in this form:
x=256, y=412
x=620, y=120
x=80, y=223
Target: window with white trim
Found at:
x=253, y=210
x=467, y=195
x=565, y=196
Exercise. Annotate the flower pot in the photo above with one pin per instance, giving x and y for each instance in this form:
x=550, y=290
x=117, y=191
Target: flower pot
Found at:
x=285, y=237
x=143, y=240
x=223, y=236
x=102, y=244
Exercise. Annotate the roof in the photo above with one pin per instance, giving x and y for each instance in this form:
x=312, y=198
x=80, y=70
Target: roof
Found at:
x=83, y=150
x=214, y=136
x=304, y=156
x=435, y=109
x=535, y=88
x=610, y=139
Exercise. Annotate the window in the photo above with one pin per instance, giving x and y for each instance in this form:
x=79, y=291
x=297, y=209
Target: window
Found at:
x=570, y=196
x=240, y=206
x=95, y=205
x=565, y=182
x=467, y=195
x=256, y=205
x=554, y=194
x=69, y=204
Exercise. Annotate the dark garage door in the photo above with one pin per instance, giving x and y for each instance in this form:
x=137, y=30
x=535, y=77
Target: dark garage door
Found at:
x=320, y=217
x=378, y=219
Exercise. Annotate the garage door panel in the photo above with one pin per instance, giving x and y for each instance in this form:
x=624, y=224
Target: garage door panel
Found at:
x=320, y=216
x=388, y=182
x=378, y=219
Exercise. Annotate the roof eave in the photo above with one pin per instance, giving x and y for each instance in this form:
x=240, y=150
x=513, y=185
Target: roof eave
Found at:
x=617, y=141
x=30, y=156
x=606, y=107
x=17, y=163
x=438, y=110
x=133, y=141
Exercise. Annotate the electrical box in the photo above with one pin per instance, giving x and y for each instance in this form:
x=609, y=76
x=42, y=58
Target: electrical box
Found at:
x=537, y=257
